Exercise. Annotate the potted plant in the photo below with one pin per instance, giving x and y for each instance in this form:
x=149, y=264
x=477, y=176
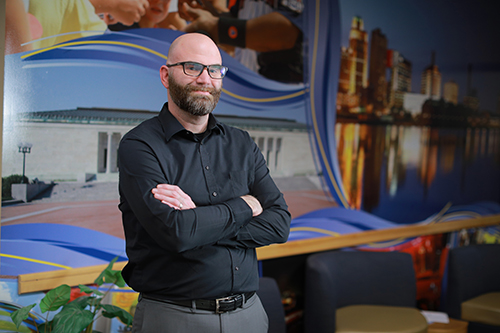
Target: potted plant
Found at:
x=80, y=314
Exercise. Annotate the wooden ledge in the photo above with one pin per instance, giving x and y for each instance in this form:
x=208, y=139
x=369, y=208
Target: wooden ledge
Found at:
x=86, y=275
x=32, y=282
x=371, y=236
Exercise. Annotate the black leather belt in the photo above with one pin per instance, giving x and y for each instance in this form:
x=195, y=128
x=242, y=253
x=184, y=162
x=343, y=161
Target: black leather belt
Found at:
x=218, y=305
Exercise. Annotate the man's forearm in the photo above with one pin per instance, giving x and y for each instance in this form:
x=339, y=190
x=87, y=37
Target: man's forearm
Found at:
x=270, y=32
x=124, y=11
x=254, y=234
x=271, y=226
x=258, y=233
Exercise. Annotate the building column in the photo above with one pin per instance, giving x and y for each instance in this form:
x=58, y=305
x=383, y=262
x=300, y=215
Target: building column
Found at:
x=108, y=153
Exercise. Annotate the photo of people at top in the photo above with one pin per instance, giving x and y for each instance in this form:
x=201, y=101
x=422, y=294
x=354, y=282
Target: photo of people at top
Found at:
x=237, y=26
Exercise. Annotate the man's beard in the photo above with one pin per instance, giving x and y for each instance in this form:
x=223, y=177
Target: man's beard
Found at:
x=197, y=105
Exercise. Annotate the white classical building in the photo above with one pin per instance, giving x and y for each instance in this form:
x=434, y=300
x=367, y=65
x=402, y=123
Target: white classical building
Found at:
x=81, y=144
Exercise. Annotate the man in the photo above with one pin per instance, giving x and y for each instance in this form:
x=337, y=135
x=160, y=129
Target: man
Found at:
x=196, y=199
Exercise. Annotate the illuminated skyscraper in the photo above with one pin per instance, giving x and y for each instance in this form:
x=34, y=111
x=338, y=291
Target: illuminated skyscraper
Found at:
x=431, y=80
x=354, y=68
x=378, y=64
x=450, y=92
x=358, y=43
x=344, y=70
x=400, y=78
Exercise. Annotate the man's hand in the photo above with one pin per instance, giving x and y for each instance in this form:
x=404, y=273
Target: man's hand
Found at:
x=173, y=196
x=123, y=11
x=253, y=203
x=213, y=6
x=201, y=19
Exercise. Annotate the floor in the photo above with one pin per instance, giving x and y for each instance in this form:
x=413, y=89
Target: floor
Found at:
x=95, y=205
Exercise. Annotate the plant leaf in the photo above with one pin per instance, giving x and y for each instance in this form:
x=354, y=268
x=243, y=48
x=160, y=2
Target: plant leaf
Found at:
x=86, y=289
x=100, y=279
x=82, y=301
x=98, y=293
x=72, y=319
x=112, y=311
x=55, y=298
x=114, y=277
x=21, y=314
x=95, y=302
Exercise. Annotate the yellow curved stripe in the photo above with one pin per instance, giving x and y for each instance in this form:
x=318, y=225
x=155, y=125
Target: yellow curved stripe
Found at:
x=313, y=112
x=440, y=214
x=323, y=231
x=257, y=100
x=461, y=214
x=263, y=100
x=33, y=260
x=95, y=42
x=437, y=218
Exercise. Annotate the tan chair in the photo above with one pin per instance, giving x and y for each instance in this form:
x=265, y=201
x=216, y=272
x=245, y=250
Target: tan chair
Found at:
x=356, y=292
x=473, y=290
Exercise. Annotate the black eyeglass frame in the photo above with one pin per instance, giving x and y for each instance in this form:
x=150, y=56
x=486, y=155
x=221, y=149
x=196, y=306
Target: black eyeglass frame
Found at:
x=223, y=69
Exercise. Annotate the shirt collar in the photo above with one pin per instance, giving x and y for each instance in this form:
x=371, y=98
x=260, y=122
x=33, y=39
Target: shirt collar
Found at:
x=171, y=125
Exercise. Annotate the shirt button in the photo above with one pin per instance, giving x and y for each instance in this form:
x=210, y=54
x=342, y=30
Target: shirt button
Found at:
x=214, y=194
x=236, y=268
x=207, y=167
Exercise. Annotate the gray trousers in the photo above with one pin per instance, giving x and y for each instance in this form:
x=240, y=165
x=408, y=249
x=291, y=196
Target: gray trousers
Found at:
x=158, y=317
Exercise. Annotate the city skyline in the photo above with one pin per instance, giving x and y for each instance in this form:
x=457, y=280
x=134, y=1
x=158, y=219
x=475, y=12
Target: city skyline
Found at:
x=456, y=32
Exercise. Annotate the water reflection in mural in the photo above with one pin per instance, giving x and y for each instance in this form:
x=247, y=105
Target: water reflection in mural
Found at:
x=407, y=173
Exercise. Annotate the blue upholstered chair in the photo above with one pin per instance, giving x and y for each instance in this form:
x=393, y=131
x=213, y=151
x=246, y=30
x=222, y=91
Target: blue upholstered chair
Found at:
x=473, y=291
x=361, y=292
x=270, y=297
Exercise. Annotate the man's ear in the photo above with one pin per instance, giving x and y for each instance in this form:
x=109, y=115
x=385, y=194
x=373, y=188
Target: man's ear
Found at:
x=164, y=75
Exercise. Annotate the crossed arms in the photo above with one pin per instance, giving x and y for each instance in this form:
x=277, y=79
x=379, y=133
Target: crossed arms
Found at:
x=251, y=220
x=173, y=196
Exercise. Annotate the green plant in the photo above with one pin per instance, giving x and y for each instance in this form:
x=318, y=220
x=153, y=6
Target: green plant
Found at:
x=7, y=183
x=80, y=314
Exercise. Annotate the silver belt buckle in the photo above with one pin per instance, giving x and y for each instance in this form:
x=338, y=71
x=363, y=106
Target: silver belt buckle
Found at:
x=217, y=303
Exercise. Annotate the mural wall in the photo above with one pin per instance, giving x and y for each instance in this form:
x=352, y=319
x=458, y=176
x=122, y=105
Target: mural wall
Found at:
x=369, y=114
x=423, y=91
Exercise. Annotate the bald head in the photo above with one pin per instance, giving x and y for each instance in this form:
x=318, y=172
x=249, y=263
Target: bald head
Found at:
x=194, y=47
x=192, y=97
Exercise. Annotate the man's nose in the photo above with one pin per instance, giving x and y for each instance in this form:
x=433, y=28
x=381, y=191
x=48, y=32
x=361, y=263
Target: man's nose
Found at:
x=204, y=77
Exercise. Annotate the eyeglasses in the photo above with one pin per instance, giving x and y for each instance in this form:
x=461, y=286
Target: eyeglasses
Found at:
x=195, y=69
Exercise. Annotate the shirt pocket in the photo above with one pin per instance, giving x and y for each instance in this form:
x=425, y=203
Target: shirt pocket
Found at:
x=239, y=180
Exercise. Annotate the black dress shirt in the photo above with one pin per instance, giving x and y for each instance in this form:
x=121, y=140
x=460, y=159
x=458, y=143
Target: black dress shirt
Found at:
x=205, y=252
